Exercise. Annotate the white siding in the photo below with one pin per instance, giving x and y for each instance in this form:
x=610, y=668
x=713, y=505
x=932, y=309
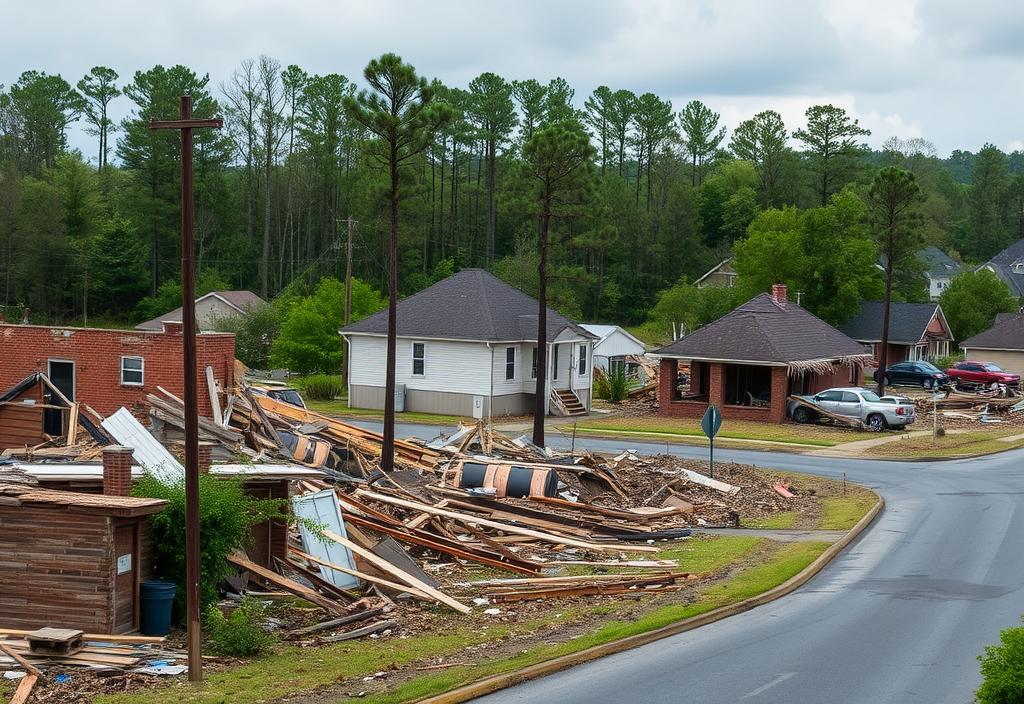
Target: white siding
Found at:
x=510, y=386
x=209, y=310
x=617, y=344
x=527, y=382
x=457, y=367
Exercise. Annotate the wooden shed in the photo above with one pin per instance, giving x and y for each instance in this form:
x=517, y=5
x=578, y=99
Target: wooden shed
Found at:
x=71, y=560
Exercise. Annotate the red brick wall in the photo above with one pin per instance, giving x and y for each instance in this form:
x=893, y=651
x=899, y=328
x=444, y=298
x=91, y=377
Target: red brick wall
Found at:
x=97, y=357
x=840, y=376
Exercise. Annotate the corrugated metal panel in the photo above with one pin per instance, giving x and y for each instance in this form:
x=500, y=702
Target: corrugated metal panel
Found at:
x=148, y=451
x=321, y=508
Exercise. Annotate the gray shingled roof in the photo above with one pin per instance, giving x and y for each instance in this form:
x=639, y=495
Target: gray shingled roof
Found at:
x=470, y=305
x=938, y=264
x=907, y=322
x=241, y=300
x=1006, y=334
x=1003, y=264
x=760, y=330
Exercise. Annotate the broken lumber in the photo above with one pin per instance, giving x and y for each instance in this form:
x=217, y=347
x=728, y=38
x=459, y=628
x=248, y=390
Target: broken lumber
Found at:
x=698, y=478
x=289, y=585
x=335, y=622
x=361, y=575
x=25, y=664
x=360, y=632
x=24, y=690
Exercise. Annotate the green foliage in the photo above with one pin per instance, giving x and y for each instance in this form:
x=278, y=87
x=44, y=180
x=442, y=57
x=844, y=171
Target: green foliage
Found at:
x=168, y=296
x=972, y=300
x=240, y=633
x=226, y=513
x=321, y=387
x=947, y=361
x=255, y=331
x=1002, y=669
x=309, y=342
x=826, y=254
x=612, y=385
x=832, y=147
x=686, y=307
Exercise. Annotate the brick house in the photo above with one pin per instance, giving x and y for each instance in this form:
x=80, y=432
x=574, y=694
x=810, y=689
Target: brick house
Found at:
x=107, y=369
x=750, y=360
x=917, y=331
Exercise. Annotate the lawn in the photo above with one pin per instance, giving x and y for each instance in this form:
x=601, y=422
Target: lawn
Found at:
x=339, y=408
x=981, y=442
x=688, y=429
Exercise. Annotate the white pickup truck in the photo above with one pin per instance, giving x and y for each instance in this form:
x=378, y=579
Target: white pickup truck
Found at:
x=854, y=402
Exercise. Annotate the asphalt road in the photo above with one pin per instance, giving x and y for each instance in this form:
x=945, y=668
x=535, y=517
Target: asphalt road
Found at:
x=900, y=616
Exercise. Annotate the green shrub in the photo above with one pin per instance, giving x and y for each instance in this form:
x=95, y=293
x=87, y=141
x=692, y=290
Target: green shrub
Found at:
x=611, y=386
x=948, y=361
x=226, y=513
x=255, y=332
x=1002, y=670
x=240, y=633
x=321, y=387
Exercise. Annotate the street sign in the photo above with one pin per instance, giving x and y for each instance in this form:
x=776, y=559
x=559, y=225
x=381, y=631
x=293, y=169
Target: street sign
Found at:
x=710, y=424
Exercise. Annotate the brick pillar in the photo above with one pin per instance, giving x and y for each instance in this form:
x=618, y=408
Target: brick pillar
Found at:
x=205, y=456
x=780, y=389
x=117, y=470
x=716, y=384
x=667, y=372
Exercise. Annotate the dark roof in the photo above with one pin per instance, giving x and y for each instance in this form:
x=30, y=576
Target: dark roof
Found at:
x=1003, y=266
x=937, y=263
x=241, y=300
x=907, y=322
x=470, y=305
x=761, y=330
x=1007, y=333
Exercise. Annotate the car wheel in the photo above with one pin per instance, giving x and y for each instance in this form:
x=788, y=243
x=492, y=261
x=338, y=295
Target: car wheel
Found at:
x=877, y=423
x=802, y=415
x=886, y=380
x=927, y=383
x=994, y=386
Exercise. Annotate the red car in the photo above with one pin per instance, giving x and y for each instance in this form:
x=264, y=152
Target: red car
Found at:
x=983, y=373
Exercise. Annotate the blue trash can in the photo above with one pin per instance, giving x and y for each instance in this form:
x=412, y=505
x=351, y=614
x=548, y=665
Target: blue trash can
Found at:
x=156, y=597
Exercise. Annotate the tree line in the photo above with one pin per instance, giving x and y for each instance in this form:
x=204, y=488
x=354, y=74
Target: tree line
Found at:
x=94, y=237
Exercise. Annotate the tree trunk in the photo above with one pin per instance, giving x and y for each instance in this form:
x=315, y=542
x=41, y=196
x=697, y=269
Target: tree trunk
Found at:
x=387, y=458
x=491, y=149
x=265, y=255
x=540, y=395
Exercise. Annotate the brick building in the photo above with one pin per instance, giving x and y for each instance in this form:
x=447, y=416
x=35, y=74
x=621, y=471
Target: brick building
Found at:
x=750, y=360
x=107, y=369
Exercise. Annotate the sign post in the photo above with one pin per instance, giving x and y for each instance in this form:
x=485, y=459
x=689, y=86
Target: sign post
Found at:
x=710, y=424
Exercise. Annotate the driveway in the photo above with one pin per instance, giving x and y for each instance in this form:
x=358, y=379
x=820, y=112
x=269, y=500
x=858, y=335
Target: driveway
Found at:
x=900, y=616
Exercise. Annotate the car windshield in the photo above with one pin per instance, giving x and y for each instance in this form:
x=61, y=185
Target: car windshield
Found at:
x=992, y=368
x=928, y=367
x=870, y=396
x=287, y=395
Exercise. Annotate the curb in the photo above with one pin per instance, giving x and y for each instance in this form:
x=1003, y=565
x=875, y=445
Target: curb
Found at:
x=509, y=679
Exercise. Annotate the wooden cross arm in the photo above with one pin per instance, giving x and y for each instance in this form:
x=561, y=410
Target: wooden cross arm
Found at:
x=216, y=122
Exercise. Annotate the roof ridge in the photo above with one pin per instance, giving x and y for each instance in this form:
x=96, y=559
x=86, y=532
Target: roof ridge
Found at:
x=484, y=300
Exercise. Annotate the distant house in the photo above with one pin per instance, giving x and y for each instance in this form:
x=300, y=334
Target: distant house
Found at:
x=1001, y=344
x=211, y=307
x=467, y=346
x=1008, y=265
x=939, y=269
x=916, y=330
x=613, y=345
x=721, y=275
x=750, y=360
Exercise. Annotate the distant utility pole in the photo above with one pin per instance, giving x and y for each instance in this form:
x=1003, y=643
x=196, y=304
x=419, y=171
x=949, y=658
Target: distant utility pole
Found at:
x=348, y=293
x=185, y=124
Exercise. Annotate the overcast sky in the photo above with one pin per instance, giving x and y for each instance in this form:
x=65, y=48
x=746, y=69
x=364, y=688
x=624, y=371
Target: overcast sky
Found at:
x=947, y=70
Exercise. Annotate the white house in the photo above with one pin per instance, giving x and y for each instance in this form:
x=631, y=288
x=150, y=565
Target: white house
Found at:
x=210, y=308
x=613, y=345
x=467, y=346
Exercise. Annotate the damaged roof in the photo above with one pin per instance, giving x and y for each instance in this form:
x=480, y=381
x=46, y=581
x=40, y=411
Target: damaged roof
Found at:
x=763, y=331
x=470, y=305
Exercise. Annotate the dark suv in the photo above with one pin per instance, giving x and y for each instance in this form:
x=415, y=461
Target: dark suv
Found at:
x=923, y=374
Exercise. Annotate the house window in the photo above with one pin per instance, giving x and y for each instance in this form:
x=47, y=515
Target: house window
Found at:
x=419, y=357
x=510, y=363
x=533, y=370
x=583, y=360
x=554, y=361
x=132, y=371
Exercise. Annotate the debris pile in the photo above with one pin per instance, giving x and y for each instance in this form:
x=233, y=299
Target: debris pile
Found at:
x=962, y=409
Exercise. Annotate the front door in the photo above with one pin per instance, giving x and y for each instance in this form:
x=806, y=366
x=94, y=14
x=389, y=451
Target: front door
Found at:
x=125, y=584
x=62, y=375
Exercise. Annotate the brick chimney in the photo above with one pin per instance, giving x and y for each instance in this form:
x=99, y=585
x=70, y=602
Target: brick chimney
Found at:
x=173, y=328
x=205, y=456
x=117, y=470
x=779, y=295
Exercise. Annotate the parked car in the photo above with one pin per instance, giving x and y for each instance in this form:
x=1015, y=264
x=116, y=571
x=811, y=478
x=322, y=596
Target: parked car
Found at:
x=981, y=373
x=279, y=392
x=855, y=402
x=923, y=374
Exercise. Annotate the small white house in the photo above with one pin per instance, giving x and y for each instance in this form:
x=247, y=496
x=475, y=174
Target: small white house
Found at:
x=613, y=345
x=468, y=346
x=210, y=308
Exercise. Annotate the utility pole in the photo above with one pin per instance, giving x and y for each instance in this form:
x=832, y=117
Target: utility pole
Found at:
x=348, y=271
x=185, y=124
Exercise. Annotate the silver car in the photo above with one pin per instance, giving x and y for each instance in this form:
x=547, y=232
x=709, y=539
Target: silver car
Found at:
x=855, y=402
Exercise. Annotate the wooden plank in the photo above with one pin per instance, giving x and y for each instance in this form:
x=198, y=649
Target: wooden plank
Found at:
x=211, y=387
x=72, y=436
x=397, y=573
x=334, y=623
x=361, y=575
x=24, y=690
x=360, y=632
x=29, y=667
x=506, y=527
x=289, y=585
